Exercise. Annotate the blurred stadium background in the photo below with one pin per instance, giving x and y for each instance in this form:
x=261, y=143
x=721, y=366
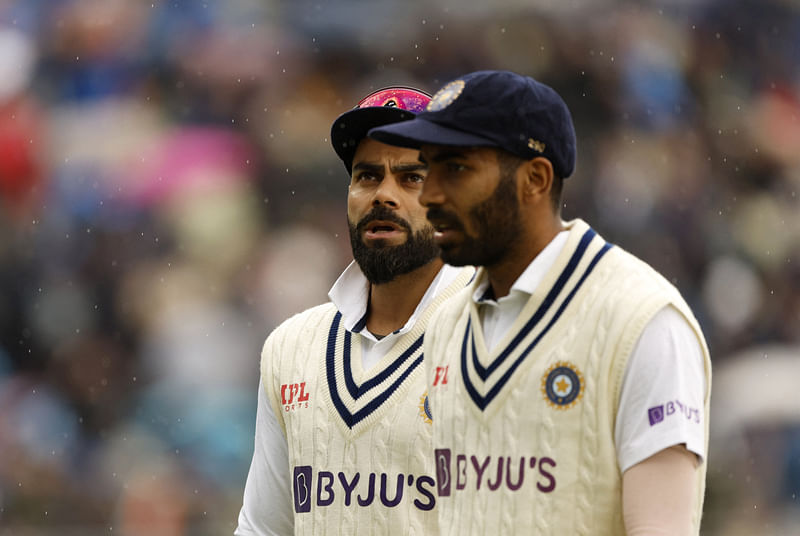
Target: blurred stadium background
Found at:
x=168, y=195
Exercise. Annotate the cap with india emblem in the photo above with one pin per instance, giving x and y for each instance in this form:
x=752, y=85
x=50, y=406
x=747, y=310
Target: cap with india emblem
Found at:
x=382, y=107
x=493, y=109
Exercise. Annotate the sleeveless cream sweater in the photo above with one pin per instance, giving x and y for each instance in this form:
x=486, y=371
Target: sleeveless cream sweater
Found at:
x=359, y=441
x=524, y=435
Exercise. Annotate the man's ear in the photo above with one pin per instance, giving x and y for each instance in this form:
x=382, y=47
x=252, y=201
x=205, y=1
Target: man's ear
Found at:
x=537, y=179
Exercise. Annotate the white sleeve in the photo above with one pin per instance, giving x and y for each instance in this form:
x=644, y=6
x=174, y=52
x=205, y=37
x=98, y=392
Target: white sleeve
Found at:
x=267, y=504
x=663, y=388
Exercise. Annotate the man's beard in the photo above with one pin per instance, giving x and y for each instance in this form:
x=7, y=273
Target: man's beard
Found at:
x=380, y=262
x=498, y=226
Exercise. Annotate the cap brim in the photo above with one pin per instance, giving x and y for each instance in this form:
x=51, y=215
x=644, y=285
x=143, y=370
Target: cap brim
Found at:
x=419, y=131
x=351, y=127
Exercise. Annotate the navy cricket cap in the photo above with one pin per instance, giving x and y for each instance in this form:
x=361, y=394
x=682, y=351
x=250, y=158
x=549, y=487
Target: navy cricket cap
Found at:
x=493, y=109
x=381, y=107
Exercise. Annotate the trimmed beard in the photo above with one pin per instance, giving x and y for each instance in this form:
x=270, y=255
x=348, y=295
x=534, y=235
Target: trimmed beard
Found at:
x=498, y=225
x=382, y=263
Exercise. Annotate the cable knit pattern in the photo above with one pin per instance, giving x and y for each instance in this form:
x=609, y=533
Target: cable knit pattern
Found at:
x=587, y=473
x=547, y=394
x=358, y=446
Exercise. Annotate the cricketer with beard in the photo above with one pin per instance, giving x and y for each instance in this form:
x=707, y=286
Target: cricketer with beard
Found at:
x=343, y=430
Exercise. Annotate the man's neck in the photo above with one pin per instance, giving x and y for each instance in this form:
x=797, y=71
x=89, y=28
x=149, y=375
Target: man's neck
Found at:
x=503, y=274
x=392, y=304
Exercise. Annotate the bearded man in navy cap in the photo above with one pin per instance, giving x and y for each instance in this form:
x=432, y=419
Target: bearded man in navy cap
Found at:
x=569, y=383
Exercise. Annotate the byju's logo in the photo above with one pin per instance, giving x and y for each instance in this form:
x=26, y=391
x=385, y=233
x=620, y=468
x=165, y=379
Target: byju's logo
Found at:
x=461, y=471
x=294, y=396
x=359, y=490
x=657, y=414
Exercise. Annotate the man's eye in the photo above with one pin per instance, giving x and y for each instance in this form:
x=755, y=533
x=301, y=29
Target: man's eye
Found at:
x=455, y=167
x=367, y=176
x=415, y=177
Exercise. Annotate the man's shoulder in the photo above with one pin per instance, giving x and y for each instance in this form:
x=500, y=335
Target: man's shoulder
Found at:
x=628, y=266
x=312, y=318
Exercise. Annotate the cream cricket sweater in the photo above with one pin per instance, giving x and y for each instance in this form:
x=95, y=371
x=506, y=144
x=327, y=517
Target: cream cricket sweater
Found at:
x=524, y=435
x=359, y=441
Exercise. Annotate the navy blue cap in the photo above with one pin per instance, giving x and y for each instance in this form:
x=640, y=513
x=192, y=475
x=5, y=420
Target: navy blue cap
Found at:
x=493, y=109
x=381, y=107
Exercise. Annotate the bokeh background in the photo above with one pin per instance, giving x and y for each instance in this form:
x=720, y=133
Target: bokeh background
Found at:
x=168, y=195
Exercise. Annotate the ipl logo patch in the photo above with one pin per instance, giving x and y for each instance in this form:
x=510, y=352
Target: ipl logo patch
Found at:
x=425, y=408
x=562, y=385
x=445, y=96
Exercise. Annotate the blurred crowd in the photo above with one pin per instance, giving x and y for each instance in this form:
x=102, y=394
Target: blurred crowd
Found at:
x=168, y=195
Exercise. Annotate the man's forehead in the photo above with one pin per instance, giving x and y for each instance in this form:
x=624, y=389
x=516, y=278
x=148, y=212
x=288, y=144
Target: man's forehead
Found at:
x=372, y=150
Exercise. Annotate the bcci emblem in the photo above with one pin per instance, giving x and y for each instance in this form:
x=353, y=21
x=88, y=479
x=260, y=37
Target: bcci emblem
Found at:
x=425, y=408
x=445, y=96
x=562, y=385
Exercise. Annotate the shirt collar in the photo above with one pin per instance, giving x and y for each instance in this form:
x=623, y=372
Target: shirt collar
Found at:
x=350, y=295
x=530, y=278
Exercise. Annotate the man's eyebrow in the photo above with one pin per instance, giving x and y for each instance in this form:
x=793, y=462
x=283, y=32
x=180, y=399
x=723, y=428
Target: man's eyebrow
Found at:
x=369, y=166
x=404, y=167
x=410, y=166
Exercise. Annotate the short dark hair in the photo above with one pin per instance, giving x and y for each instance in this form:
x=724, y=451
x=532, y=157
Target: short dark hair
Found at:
x=509, y=162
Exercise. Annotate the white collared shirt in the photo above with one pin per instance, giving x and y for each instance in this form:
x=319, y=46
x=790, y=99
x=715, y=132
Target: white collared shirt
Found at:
x=350, y=295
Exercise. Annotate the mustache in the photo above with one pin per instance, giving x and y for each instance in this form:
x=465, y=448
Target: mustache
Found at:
x=437, y=216
x=382, y=213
